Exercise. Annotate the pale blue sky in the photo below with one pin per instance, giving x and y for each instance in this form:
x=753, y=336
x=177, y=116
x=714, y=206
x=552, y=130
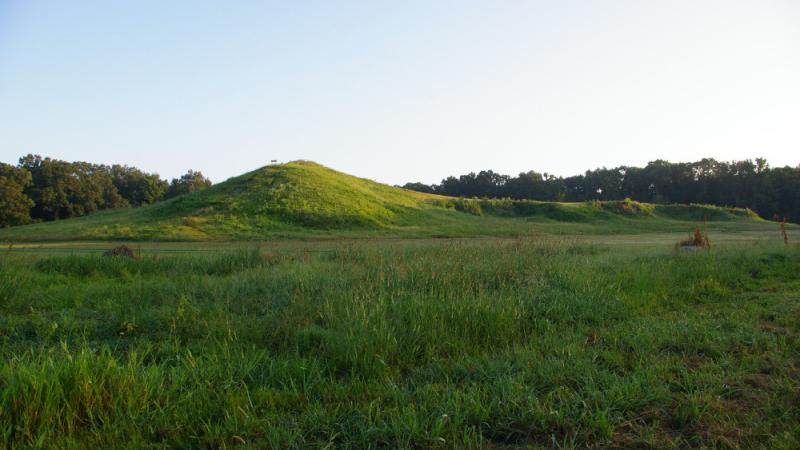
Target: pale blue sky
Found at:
x=399, y=91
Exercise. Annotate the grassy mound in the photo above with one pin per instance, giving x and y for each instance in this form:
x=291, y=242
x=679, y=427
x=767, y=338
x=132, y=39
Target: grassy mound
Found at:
x=591, y=211
x=305, y=199
x=301, y=193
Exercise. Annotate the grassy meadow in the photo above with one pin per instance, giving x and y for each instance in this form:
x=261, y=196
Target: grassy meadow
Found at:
x=534, y=342
x=298, y=307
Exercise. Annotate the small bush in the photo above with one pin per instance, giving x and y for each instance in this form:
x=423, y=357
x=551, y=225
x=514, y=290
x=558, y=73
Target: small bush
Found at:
x=469, y=206
x=121, y=250
x=628, y=207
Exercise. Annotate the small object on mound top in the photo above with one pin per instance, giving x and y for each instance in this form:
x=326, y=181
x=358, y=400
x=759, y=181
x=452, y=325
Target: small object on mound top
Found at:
x=122, y=250
x=695, y=242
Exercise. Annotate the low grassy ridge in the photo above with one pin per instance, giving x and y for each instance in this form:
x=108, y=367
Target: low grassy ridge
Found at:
x=426, y=344
x=304, y=199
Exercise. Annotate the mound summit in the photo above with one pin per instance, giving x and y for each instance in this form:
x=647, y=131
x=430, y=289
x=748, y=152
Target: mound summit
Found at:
x=305, y=199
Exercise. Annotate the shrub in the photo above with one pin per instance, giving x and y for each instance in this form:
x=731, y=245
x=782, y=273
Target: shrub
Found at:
x=121, y=250
x=470, y=206
x=628, y=207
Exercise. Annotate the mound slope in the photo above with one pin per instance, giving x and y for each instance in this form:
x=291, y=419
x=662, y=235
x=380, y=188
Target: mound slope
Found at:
x=301, y=193
x=302, y=198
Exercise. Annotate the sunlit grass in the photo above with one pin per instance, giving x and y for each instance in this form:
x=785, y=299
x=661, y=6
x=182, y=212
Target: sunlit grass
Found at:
x=446, y=344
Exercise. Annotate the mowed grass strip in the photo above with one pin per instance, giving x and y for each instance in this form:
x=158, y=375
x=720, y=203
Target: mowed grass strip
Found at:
x=497, y=344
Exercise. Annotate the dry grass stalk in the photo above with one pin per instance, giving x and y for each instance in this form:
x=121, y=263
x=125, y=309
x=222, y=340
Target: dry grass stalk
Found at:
x=122, y=250
x=783, y=231
x=696, y=240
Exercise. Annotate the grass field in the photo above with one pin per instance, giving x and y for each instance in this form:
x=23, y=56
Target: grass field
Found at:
x=299, y=307
x=560, y=341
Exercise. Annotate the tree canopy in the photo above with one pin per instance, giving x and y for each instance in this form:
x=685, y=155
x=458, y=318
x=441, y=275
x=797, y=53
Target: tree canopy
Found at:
x=15, y=206
x=42, y=189
x=191, y=181
x=747, y=184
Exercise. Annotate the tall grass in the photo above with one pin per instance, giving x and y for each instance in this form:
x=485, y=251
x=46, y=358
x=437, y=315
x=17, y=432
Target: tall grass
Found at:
x=444, y=345
x=102, y=265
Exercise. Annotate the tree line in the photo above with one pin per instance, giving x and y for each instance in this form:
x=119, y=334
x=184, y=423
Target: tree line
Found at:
x=44, y=189
x=769, y=191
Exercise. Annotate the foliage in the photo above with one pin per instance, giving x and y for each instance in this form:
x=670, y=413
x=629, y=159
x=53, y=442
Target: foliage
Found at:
x=120, y=251
x=469, y=206
x=629, y=207
x=45, y=189
x=137, y=187
x=696, y=212
x=440, y=344
x=191, y=181
x=14, y=204
x=742, y=184
x=61, y=190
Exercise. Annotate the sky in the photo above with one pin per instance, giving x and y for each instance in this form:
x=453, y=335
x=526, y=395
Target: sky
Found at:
x=399, y=91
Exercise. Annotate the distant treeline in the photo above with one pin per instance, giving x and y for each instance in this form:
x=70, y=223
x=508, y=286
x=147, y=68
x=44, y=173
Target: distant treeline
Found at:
x=769, y=191
x=43, y=189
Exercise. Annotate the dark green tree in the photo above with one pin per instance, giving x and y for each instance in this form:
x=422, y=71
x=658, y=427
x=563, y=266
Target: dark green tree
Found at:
x=746, y=184
x=137, y=187
x=15, y=206
x=419, y=187
x=61, y=189
x=191, y=181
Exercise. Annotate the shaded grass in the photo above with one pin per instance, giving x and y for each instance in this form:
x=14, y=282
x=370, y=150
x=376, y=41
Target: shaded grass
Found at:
x=440, y=344
x=104, y=266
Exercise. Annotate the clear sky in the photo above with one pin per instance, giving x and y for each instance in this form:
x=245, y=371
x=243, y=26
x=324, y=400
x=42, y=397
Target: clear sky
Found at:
x=399, y=91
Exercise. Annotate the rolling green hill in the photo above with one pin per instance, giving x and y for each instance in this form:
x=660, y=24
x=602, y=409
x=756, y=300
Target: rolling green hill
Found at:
x=305, y=199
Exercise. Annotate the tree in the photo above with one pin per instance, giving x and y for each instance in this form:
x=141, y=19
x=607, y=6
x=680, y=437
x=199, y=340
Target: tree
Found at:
x=531, y=185
x=15, y=206
x=137, y=187
x=191, y=181
x=61, y=189
x=419, y=187
x=50, y=189
x=745, y=184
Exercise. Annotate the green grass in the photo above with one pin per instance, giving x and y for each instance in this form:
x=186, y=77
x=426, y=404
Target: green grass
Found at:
x=305, y=200
x=404, y=344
